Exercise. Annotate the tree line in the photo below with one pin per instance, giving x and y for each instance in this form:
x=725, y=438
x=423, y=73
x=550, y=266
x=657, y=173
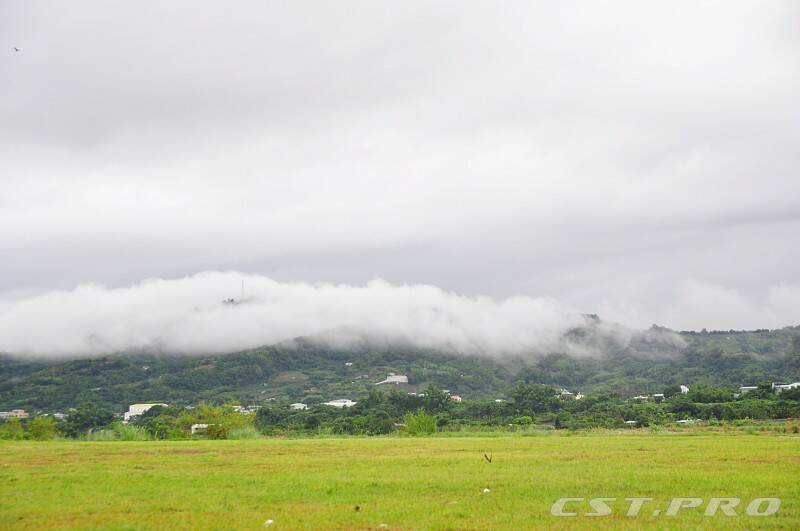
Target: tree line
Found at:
x=381, y=413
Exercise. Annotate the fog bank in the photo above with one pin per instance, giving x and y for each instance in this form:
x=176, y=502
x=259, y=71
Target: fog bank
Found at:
x=210, y=312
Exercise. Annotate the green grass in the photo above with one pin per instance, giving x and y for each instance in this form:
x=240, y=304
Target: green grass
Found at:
x=403, y=482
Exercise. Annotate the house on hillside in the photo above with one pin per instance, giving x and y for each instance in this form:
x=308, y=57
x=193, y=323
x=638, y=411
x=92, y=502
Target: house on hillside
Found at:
x=134, y=410
x=684, y=390
x=565, y=393
x=340, y=403
x=455, y=398
x=244, y=410
x=298, y=406
x=393, y=378
x=779, y=387
x=14, y=414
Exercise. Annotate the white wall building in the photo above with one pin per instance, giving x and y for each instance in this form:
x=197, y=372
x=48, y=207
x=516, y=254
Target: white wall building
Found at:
x=134, y=410
x=15, y=414
x=393, y=378
x=298, y=406
x=778, y=387
x=340, y=403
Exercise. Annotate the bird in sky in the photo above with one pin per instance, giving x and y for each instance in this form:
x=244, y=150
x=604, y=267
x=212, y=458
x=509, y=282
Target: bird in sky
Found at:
x=16, y=49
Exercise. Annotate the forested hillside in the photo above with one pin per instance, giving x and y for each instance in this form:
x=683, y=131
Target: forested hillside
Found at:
x=308, y=372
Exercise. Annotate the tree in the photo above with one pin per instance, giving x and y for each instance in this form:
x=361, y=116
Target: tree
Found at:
x=85, y=418
x=530, y=399
x=221, y=420
x=270, y=417
x=379, y=423
x=436, y=400
x=707, y=395
x=42, y=428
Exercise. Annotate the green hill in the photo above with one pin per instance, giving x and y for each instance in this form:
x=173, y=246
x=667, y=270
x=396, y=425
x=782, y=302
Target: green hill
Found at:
x=306, y=371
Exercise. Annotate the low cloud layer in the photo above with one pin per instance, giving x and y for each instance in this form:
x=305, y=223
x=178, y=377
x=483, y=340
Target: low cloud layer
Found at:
x=195, y=315
x=191, y=316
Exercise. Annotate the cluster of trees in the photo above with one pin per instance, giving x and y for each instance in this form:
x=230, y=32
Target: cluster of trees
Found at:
x=381, y=413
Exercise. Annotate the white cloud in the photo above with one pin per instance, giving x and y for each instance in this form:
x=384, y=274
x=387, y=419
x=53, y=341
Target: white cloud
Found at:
x=188, y=316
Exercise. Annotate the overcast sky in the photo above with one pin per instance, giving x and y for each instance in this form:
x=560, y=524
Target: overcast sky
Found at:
x=637, y=160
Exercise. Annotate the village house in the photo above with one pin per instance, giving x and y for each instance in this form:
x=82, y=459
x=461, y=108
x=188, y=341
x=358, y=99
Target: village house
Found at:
x=340, y=403
x=134, y=410
x=779, y=387
x=298, y=406
x=14, y=414
x=246, y=410
x=393, y=378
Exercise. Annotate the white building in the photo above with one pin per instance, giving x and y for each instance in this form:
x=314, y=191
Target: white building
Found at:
x=340, y=403
x=396, y=379
x=298, y=406
x=134, y=410
x=196, y=427
x=14, y=414
x=684, y=389
x=244, y=410
x=455, y=398
x=747, y=388
x=779, y=387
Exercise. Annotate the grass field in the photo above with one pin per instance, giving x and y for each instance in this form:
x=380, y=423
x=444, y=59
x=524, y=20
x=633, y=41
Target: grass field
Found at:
x=404, y=483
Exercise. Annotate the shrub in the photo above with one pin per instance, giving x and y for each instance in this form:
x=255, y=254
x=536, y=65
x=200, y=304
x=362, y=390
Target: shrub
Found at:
x=420, y=423
x=126, y=432
x=12, y=429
